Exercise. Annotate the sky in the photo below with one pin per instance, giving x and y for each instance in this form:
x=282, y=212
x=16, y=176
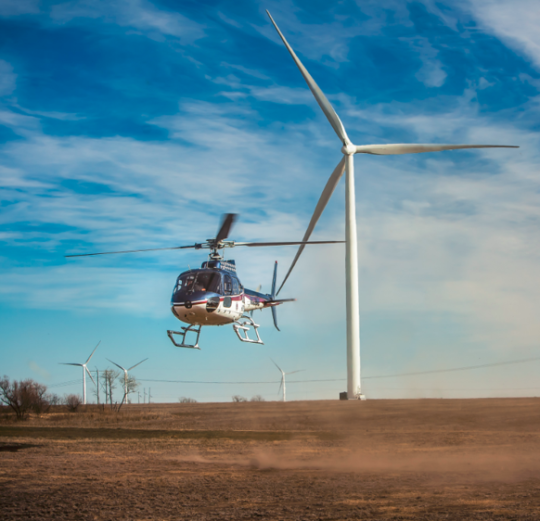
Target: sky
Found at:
x=137, y=124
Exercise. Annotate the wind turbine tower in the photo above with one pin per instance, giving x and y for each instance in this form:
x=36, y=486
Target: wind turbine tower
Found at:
x=126, y=375
x=348, y=150
x=282, y=384
x=84, y=371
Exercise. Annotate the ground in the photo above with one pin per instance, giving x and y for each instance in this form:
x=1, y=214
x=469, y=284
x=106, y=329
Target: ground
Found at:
x=380, y=459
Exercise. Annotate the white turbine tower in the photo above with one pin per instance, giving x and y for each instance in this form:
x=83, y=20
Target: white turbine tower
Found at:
x=348, y=149
x=282, y=384
x=126, y=375
x=84, y=371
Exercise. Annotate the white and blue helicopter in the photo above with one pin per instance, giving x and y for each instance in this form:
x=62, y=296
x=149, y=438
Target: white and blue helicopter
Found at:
x=213, y=295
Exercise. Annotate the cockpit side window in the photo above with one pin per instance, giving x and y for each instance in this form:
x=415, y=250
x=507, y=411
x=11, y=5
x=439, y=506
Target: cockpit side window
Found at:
x=235, y=286
x=185, y=282
x=227, y=285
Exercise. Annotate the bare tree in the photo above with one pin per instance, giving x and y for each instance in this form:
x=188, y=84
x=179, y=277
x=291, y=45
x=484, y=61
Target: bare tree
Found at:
x=109, y=377
x=72, y=402
x=257, y=398
x=237, y=398
x=23, y=396
x=187, y=400
x=130, y=385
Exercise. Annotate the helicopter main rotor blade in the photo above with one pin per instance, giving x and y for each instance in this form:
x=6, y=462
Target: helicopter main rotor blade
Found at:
x=321, y=205
x=132, y=251
x=226, y=224
x=257, y=244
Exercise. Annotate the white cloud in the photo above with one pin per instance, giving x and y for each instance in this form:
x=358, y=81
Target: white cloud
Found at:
x=431, y=73
x=515, y=22
x=8, y=79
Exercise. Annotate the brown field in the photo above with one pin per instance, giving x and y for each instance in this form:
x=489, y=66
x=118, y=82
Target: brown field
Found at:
x=381, y=459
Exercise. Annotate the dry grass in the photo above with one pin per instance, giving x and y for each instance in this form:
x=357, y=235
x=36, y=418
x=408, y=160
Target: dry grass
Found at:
x=408, y=459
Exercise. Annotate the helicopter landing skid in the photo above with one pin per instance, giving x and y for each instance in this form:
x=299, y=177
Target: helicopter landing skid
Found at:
x=245, y=326
x=183, y=333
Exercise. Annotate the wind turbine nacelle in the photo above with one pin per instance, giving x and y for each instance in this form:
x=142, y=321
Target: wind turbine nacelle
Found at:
x=349, y=149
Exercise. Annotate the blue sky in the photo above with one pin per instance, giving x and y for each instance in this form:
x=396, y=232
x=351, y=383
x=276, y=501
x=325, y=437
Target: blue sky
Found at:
x=136, y=124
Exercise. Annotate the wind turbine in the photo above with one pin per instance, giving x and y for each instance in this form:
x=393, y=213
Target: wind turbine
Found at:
x=282, y=384
x=126, y=375
x=85, y=370
x=348, y=150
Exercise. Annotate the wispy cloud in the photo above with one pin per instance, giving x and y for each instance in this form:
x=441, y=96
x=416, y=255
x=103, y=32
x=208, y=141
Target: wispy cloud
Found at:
x=19, y=7
x=39, y=370
x=138, y=14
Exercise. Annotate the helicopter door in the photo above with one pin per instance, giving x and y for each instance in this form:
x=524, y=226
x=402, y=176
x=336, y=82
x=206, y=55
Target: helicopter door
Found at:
x=227, y=290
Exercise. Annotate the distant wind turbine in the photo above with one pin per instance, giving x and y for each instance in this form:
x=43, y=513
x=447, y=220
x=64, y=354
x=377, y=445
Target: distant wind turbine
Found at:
x=282, y=384
x=126, y=375
x=85, y=370
x=346, y=164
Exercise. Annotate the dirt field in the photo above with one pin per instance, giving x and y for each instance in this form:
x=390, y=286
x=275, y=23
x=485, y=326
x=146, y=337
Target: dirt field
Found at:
x=381, y=459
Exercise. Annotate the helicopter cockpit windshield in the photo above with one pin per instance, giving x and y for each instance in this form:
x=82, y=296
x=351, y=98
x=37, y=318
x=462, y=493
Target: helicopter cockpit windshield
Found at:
x=199, y=281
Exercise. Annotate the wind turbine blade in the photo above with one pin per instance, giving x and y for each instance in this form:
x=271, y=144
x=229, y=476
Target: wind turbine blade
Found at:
x=411, y=148
x=130, y=251
x=226, y=225
x=93, y=352
x=280, y=370
x=293, y=243
x=64, y=363
x=280, y=384
x=123, y=369
x=133, y=366
x=321, y=205
x=323, y=102
x=89, y=374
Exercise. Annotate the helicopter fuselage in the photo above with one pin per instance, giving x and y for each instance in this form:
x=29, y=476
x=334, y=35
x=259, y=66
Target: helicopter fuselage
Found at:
x=214, y=296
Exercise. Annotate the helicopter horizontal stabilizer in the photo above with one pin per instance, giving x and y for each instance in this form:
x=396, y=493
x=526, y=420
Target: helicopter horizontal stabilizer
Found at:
x=277, y=302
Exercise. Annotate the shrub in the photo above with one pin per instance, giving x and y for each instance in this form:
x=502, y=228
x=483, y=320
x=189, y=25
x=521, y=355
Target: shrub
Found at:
x=72, y=402
x=187, y=400
x=53, y=399
x=237, y=398
x=257, y=398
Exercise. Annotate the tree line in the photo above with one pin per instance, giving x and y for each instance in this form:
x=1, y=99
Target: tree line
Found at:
x=28, y=396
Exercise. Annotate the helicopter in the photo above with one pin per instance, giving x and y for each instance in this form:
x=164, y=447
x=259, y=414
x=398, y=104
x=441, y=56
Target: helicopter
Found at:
x=213, y=294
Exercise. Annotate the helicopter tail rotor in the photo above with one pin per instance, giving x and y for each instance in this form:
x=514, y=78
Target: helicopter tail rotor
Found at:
x=273, y=295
